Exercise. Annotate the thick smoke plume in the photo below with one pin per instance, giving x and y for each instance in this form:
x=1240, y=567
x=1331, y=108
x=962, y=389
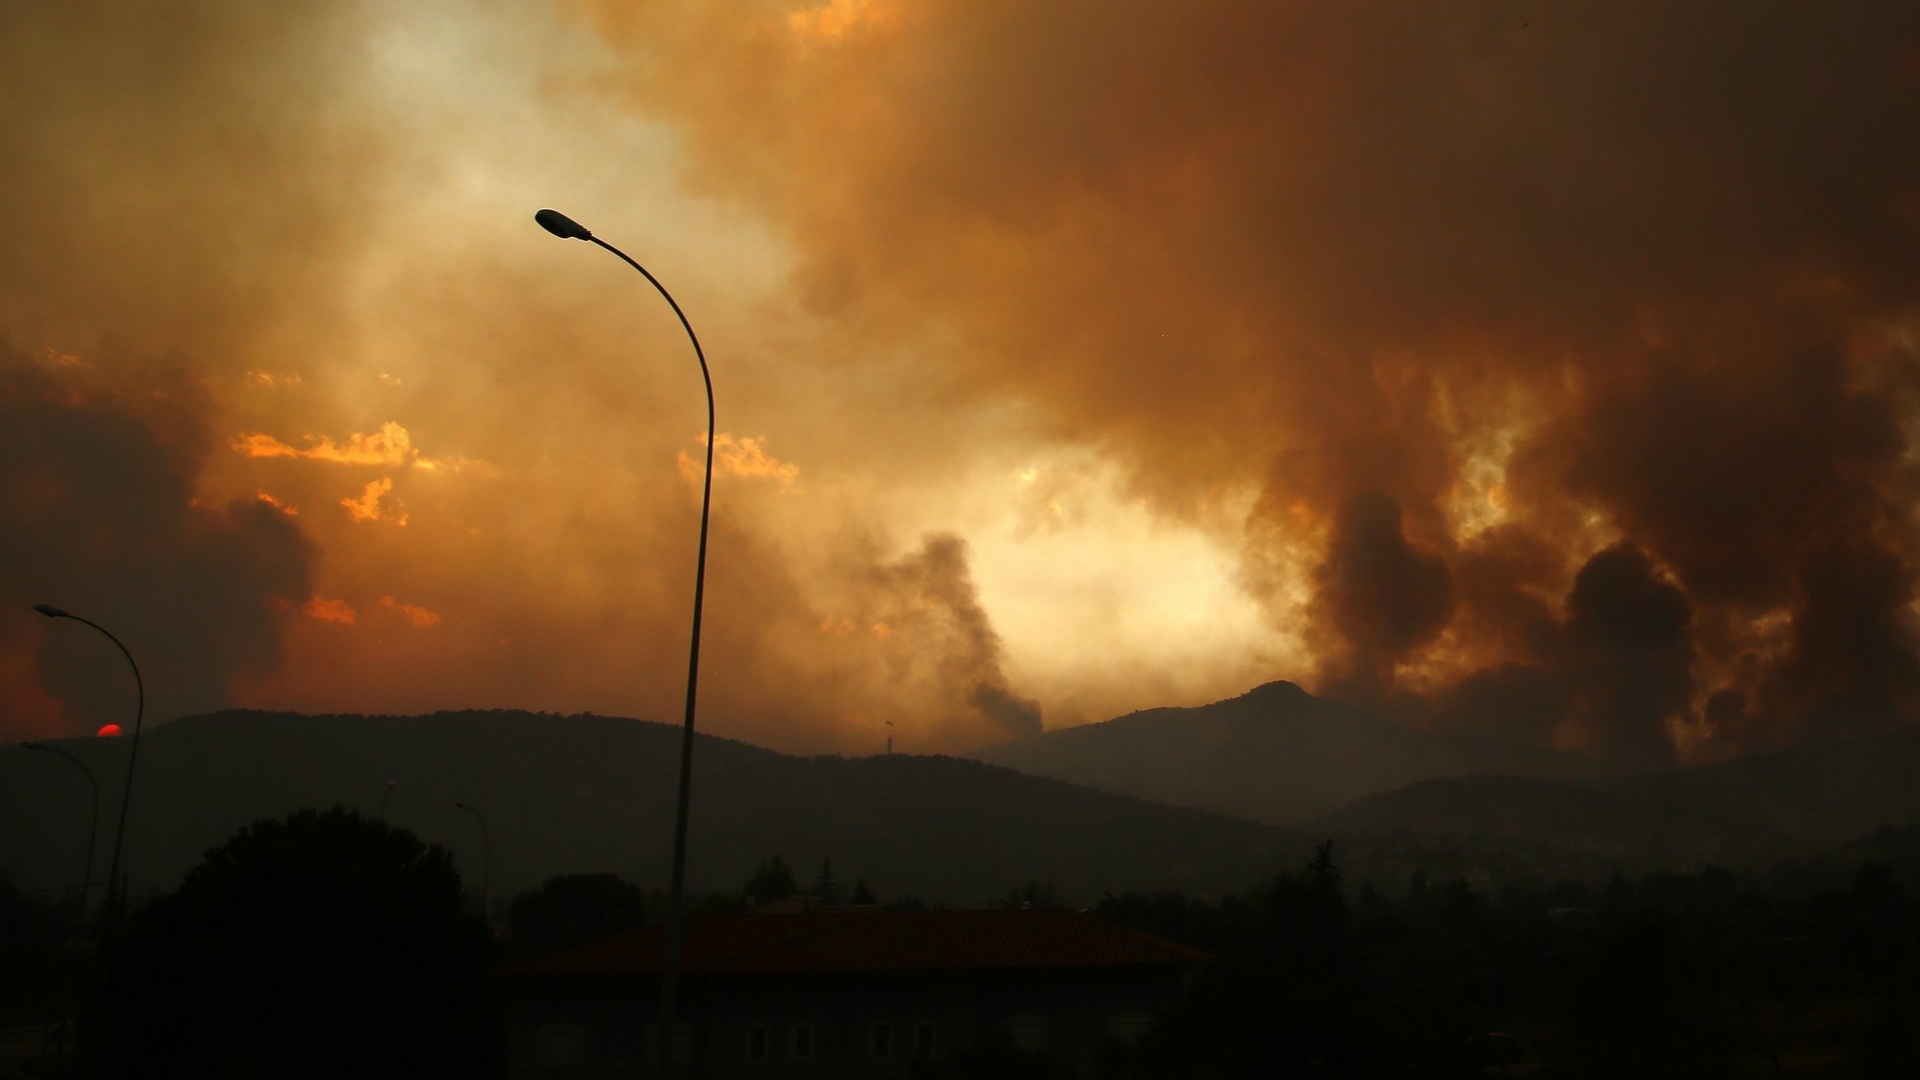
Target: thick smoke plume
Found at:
x=1550, y=370
x=929, y=596
x=1574, y=345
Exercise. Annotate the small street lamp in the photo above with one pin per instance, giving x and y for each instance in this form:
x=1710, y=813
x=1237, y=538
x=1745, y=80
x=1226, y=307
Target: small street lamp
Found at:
x=114, y=892
x=93, y=825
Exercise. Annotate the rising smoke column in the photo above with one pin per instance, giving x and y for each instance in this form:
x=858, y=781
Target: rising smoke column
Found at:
x=929, y=594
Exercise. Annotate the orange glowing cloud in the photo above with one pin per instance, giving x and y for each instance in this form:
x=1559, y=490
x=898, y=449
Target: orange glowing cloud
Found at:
x=741, y=457
x=367, y=507
x=391, y=445
x=837, y=19
x=285, y=508
x=416, y=615
x=333, y=611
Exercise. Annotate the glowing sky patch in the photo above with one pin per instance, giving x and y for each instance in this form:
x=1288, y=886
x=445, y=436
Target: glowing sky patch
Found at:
x=372, y=504
x=330, y=610
x=415, y=615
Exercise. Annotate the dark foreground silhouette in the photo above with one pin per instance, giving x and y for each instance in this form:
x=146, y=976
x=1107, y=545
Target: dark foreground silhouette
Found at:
x=324, y=945
x=330, y=945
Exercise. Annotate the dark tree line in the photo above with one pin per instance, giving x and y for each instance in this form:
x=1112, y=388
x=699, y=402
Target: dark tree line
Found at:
x=1675, y=975
x=328, y=944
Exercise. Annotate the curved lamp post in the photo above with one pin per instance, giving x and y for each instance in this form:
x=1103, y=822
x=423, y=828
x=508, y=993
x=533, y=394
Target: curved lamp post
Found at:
x=566, y=228
x=133, y=751
x=93, y=828
x=486, y=856
x=385, y=795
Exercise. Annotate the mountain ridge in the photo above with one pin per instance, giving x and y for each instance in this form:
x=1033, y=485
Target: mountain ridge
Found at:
x=1783, y=803
x=584, y=793
x=1275, y=754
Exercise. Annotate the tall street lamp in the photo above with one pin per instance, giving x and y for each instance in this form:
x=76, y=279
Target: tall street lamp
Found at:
x=486, y=856
x=133, y=751
x=93, y=827
x=566, y=228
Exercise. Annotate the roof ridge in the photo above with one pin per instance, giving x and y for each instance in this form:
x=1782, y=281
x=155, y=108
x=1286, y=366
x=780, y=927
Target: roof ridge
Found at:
x=1142, y=935
x=784, y=942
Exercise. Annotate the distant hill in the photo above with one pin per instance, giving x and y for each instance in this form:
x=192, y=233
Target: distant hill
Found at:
x=585, y=793
x=1275, y=754
x=1749, y=812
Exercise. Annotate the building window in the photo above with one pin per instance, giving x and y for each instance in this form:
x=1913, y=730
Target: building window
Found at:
x=1029, y=1033
x=560, y=1044
x=923, y=1039
x=759, y=1042
x=802, y=1041
x=880, y=1042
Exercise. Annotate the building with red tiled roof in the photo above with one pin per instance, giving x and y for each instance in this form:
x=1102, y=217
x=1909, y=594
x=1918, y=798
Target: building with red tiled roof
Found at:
x=851, y=992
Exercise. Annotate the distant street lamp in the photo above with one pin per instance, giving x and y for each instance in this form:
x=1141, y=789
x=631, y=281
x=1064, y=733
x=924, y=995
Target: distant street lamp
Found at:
x=566, y=228
x=93, y=826
x=486, y=855
x=133, y=751
x=385, y=795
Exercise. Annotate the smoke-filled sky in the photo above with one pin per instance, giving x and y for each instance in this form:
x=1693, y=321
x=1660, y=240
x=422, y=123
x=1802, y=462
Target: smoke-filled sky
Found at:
x=1539, y=370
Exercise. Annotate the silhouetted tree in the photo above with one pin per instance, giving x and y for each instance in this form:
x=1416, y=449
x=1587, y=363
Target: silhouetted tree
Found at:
x=772, y=881
x=824, y=887
x=1033, y=894
x=1322, y=871
x=324, y=945
x=572, y=908
x=861, y=894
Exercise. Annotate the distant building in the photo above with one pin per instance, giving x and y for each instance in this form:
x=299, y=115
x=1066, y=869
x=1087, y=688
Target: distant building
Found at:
x=856, y=993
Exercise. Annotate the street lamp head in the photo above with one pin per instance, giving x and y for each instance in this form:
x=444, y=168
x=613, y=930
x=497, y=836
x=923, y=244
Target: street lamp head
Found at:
x=51, y=612
x=33, y=746
x=561, y=225
x=462, y=805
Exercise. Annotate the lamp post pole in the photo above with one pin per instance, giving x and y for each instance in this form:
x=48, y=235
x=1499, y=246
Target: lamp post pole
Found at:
x=114, y=891
x=567, y=229
x=486, y=856
x=93, y=826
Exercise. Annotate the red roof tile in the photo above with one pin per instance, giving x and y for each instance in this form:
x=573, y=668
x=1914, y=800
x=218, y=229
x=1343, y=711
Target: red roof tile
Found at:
x=867, y=940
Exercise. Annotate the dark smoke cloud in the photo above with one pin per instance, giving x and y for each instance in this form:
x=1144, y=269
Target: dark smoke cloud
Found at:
x=1016, y=715
x=1629, y=654
x=97, y=505
x=1853, y=660
x=1611, y=677
x=1379, y=593
x=1662, y=257
x=927, y=601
